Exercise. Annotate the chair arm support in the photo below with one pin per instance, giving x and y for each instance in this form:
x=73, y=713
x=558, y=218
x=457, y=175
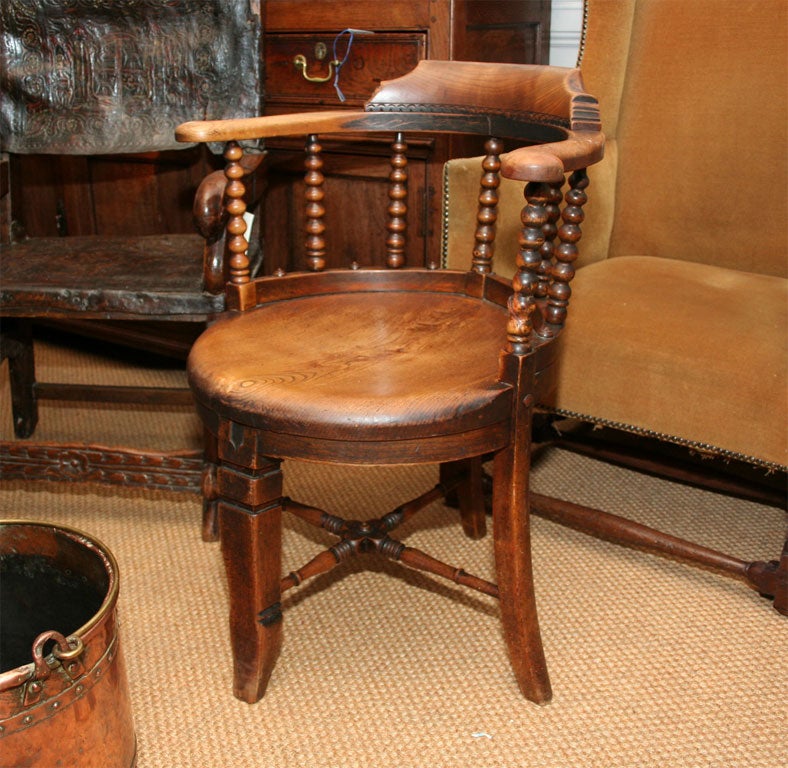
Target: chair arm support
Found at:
x=549, y=162
x=210, y=218
x=208, y=209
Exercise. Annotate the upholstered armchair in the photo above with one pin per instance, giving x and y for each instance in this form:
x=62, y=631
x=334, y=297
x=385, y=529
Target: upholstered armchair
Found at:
x=678, y=327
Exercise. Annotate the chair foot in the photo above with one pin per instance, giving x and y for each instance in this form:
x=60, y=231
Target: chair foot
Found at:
x=781, y=593
x=771, y=579
x=252, y=670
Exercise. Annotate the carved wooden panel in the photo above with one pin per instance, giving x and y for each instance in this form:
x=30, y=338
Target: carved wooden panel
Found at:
x=92, y=76
x=96, y=464
x=503, y=30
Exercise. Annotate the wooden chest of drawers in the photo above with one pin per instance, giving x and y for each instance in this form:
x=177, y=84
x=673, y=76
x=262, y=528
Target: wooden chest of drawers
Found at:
x=401, y=33
x=372, y=58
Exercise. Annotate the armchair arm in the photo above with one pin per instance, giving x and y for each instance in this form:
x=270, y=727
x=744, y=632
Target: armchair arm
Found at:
x=207, y=211
x=538, y=306
x=238, y=129
x=545, y=108
x=549, y=162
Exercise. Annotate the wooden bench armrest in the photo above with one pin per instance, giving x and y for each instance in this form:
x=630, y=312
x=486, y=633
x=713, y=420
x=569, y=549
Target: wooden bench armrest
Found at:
x=208, y=210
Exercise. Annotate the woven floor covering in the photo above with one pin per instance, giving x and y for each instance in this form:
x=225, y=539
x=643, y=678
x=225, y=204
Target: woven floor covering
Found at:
x=653, y=663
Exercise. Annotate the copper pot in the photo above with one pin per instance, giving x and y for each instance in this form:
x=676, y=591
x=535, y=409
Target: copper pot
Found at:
x=64, y=697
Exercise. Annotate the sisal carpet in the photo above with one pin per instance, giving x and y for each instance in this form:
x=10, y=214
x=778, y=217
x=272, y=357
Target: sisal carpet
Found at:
x=653, y=663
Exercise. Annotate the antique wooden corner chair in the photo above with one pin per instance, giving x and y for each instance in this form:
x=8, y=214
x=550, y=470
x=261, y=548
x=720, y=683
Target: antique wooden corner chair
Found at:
x=675, y=360
x=82, y=88
x=396, y=365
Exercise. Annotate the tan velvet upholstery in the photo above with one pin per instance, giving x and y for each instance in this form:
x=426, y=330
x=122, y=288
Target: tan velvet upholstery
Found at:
x=704, y=130
x=726, y=391
x=694, y=104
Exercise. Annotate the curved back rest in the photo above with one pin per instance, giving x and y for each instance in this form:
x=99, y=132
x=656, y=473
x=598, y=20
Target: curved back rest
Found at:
x=694, y=98
x=511, y=100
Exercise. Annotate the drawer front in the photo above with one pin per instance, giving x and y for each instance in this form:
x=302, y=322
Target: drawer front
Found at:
x=372, y=58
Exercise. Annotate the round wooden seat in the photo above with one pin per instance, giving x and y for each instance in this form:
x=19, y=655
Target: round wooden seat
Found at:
x=353, y=366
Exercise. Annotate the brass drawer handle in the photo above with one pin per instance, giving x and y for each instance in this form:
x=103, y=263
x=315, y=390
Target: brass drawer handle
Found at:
x=299, y=62
x=335, y=64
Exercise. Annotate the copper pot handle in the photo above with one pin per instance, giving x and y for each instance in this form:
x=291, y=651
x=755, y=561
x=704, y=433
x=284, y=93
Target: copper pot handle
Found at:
x=65, y=649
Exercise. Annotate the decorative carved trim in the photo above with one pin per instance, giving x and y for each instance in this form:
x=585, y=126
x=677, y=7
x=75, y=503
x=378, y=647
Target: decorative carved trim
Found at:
x=702, y=448
x=464, y=109
x=585, y=113
x=79, y=462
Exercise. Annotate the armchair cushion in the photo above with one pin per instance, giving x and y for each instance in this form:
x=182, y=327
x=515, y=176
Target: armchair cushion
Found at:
x=699, y=363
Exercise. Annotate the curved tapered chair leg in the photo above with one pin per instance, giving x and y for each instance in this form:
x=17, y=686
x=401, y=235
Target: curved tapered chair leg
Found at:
x=511, y=528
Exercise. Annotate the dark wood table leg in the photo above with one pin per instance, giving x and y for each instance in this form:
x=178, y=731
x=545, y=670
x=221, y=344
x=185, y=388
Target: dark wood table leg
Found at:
x=16, y=343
